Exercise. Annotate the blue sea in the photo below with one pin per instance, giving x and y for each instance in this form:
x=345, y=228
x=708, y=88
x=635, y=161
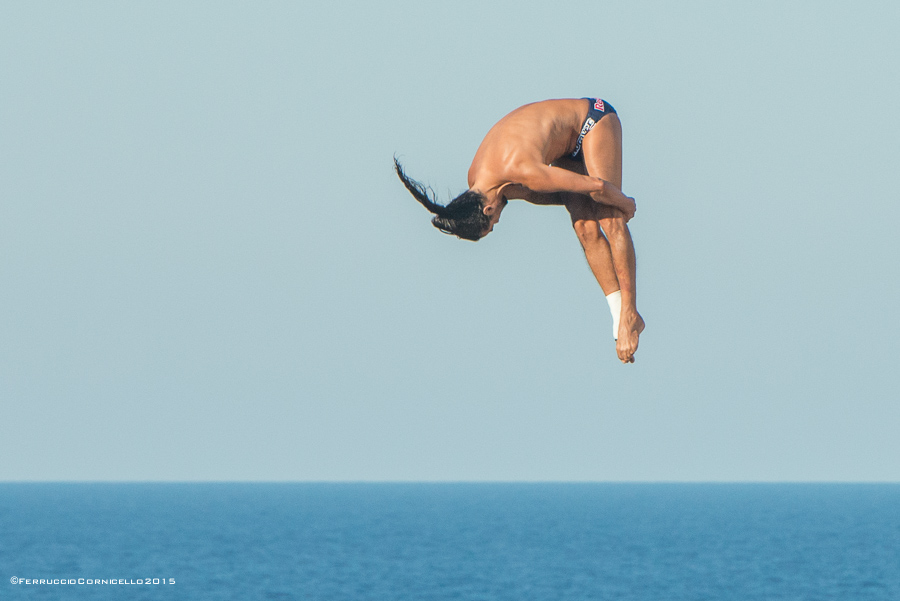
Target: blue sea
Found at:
x=541, y=542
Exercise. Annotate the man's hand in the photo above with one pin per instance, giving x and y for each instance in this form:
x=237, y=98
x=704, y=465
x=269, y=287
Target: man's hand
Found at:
x=624, y=203
x=610, y=195
x=628, y=207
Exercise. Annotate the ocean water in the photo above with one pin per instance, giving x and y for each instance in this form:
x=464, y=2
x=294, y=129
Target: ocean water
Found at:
x=642, y=542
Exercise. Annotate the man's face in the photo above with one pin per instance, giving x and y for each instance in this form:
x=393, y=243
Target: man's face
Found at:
x=493, y=213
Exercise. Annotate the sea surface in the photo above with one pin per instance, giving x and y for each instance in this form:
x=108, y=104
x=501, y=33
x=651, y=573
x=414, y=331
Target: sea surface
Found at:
x=540, y=542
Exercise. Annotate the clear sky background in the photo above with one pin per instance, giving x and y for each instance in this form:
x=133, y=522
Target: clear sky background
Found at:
x=208, y=270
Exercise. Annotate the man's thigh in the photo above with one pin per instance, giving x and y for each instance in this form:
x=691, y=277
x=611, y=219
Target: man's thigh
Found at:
x=582, y=208
x=602, y=150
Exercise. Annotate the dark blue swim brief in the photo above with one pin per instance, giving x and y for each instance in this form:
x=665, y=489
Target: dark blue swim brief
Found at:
x=598, y=109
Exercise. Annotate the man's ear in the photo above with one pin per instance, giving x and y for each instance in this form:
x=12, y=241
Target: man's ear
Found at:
x=489, y=210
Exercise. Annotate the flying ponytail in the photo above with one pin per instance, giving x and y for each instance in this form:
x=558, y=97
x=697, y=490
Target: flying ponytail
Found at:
x=463, y=216
x=420, y=192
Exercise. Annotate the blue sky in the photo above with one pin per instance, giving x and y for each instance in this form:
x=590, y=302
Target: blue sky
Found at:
x=210, y=271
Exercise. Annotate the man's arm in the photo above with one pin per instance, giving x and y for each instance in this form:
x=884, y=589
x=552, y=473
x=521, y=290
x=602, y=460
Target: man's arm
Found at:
x=546, y=179
x=518, y=191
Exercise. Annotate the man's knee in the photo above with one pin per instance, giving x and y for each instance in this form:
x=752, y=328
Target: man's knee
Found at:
x=588, y=231
x=613, y=225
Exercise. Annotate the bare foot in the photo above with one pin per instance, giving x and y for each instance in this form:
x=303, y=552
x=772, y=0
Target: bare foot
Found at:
x=631, y=325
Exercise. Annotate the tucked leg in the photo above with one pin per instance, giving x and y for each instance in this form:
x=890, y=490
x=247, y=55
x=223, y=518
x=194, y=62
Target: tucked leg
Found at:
x=602, y=148
x=584, y=214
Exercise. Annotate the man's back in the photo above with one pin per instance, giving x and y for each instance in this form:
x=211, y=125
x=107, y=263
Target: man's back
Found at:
x=540, y=132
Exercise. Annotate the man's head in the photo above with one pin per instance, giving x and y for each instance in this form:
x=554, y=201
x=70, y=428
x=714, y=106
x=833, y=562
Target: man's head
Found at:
x=466, y=216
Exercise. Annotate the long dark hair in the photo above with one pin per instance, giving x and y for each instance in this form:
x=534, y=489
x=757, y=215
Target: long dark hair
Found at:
x=463, y=216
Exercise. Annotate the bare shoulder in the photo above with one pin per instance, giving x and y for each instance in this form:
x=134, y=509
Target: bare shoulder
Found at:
x=535, y=133
x=545, y=110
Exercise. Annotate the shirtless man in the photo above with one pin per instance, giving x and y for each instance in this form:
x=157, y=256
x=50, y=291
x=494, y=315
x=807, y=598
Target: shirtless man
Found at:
x=556, y=152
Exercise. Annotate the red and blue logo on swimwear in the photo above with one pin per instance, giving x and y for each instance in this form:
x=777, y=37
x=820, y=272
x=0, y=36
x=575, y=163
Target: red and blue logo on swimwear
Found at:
x=600, y=106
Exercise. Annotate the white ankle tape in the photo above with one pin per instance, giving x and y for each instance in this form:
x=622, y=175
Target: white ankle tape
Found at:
x=615, y=308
